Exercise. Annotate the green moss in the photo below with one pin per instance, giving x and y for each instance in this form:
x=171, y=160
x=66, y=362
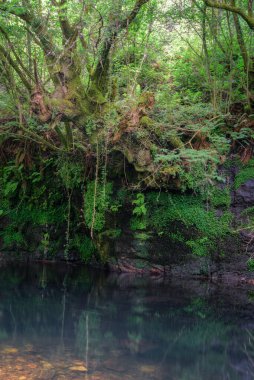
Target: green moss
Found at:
x=220, y=197
x=85, y=246
x=246, y=173
x=32, y=204
x=65, y=106
x=138, y=224
x=95, y=95
x=200, y=247
x=112, y=233
x=145, y=98
x=250, y=264
x=144, y=236
x=140, y=168
x=201, y=229
x=129, y=155
x=104, y=247
x=176, y=236
x=170, y=170
x=175, y=141
x=147, y=122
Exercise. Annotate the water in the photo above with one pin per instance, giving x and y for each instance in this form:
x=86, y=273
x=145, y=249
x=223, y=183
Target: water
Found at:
x=59, y=322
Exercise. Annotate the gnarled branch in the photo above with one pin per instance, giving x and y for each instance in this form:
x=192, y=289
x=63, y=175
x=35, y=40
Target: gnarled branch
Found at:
x=5, y=56
x=246, y=16
x=113, y=31
x=37, y=25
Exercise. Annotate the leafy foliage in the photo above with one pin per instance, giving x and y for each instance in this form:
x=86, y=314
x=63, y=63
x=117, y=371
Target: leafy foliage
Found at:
x=138, y=221
x=203, y=227
x=97, y=200
x=85, y=247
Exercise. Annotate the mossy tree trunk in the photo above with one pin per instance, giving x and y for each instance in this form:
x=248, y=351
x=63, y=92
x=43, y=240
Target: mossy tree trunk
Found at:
x=248, y=60
x=71, y=98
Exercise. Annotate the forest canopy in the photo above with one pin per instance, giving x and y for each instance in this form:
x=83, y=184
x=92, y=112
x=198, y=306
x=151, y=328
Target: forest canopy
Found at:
x=93, y=71
x=67, y=59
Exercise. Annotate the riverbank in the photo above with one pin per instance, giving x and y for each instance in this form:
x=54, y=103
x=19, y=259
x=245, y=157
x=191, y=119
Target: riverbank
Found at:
x=233, y=273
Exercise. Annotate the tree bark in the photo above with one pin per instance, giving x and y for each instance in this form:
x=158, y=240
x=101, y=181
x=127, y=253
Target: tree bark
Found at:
x=100, y=75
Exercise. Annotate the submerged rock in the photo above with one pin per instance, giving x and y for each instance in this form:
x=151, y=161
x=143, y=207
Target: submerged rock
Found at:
x=78, y=368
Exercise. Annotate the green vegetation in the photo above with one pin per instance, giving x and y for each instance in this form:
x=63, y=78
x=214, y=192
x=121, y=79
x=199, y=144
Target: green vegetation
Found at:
x=96, y=203
x=245, y=173
x=139, y=221
x=201, y=229
x=250, y=264
x=123, y=115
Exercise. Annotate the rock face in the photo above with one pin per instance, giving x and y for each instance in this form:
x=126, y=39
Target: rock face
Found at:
x=144, y=251
x=243, y=197
x=160, y=256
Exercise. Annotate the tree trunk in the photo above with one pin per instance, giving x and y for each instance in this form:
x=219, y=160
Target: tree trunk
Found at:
x=247, y=60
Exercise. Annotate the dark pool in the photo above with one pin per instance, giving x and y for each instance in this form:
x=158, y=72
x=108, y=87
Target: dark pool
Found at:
x=62, y=322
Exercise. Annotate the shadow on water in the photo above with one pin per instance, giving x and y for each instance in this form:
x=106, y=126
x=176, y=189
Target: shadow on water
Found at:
x=63, y=322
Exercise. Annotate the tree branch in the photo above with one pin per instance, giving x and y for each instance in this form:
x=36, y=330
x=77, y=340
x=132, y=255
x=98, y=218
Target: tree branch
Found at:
x=113, y=31
x=66, y=27
x=210, y=26
x=4, y=55
x=37, y=24
x=131, y=17
x=19, y=61
x=245, y=16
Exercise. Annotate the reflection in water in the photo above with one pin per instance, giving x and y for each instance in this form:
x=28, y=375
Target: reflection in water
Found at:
x=71, y=323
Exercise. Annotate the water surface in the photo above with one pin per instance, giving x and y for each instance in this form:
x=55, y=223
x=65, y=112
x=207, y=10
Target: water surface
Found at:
x=62, y=322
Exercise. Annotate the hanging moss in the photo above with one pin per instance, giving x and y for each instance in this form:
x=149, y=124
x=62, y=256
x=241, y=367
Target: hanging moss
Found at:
x=96, y=204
